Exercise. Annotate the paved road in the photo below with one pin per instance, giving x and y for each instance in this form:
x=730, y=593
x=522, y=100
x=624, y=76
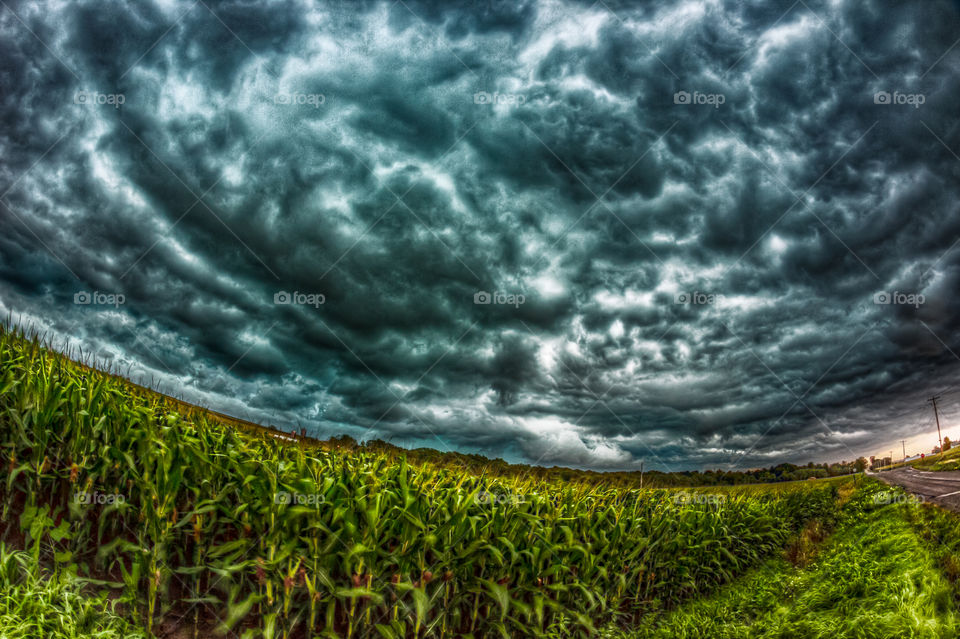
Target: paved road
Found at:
x=941, y=488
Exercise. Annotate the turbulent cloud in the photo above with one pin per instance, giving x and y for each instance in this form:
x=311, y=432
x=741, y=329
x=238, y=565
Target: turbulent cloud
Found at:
x=697, y=235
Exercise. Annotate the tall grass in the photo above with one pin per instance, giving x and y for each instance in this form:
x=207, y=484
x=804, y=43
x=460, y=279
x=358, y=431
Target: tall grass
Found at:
x=190, y=518
x=875, y=577
x=35, y=604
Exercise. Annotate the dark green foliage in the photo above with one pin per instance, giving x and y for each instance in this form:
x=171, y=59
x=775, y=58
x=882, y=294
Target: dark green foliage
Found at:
x=875, y=577
x=189, y=517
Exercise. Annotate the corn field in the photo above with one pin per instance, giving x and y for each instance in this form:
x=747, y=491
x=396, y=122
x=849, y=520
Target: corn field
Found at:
x=200, y=524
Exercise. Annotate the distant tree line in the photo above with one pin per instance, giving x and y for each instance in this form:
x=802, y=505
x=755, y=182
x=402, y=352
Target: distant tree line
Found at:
x=629, y=479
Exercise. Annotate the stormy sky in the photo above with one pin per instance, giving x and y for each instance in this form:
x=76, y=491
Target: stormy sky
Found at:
x=714, y=234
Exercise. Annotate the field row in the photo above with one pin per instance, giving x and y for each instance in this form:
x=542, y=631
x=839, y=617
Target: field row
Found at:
x=194, y=520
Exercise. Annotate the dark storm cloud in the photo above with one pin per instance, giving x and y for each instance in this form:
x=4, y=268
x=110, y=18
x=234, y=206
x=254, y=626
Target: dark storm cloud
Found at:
x=675, y=217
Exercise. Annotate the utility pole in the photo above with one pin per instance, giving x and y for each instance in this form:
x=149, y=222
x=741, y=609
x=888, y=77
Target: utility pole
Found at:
x=937, y=415
x=903, y=443
x=641, y=475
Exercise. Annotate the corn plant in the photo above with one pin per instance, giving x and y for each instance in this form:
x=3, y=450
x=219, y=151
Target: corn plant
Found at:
x=191, y=517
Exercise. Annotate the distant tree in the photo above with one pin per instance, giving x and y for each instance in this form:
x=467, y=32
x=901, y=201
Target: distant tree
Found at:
x=860, y=465
x=947, y=444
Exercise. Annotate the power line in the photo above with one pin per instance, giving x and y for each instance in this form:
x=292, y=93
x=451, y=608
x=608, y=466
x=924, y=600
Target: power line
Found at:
x=937, y=415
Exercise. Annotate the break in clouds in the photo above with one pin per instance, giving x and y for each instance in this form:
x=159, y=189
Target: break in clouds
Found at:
x=697, y=234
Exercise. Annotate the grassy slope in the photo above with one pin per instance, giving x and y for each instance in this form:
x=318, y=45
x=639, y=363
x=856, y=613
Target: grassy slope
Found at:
x=950, y=460
x=874, y=578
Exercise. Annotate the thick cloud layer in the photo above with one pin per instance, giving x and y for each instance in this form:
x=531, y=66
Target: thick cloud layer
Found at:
x=695, y=234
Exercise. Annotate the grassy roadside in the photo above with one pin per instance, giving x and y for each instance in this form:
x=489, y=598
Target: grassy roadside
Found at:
x=941, y=530
x=950, y=460
x=875, y=577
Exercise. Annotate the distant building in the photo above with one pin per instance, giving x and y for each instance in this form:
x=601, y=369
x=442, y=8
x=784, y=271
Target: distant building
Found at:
x=935, y=451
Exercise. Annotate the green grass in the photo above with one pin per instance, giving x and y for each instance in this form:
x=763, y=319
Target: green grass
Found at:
x=941, y=530
x=876, y=577
x=35, y=604
x=949, y=460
